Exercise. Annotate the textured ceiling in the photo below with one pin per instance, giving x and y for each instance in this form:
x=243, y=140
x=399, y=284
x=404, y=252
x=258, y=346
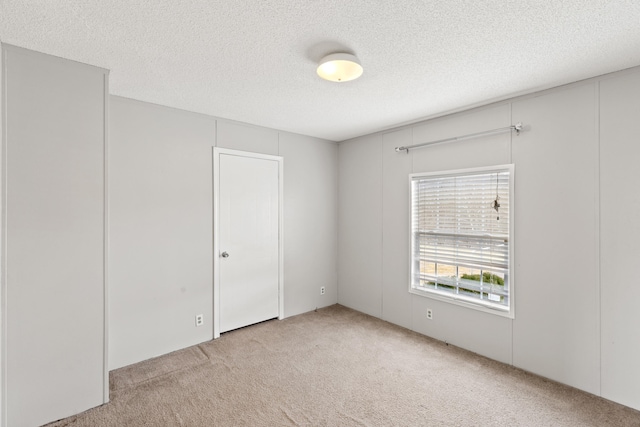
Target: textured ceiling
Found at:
x=254, y=61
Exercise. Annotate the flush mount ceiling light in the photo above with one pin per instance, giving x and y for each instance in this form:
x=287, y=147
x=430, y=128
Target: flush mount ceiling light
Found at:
x=339, y=67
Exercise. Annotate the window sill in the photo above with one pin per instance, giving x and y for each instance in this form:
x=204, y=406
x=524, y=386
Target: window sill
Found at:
x=453, y=299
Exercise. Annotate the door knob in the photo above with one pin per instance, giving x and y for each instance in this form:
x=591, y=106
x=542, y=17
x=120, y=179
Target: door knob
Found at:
x=225, y=255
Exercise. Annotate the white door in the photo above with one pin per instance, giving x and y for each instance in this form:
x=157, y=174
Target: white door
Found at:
x=247, y=239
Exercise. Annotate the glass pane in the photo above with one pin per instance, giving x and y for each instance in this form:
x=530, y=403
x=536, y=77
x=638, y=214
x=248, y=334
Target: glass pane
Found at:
x=495, y=286
x=427, y=274
x=446, y=275
x=445, y=270
x=469, y=281
x=469, y=273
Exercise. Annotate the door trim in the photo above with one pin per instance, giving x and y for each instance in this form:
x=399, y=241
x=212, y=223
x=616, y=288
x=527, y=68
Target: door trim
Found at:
x=216, y=224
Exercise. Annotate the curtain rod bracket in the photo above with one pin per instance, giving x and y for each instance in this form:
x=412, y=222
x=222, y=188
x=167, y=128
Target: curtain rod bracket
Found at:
x=518, y=127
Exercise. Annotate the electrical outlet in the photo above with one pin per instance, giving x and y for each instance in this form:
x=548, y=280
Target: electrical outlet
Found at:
x=322, y=290
x=199, y=320
x=429, y=314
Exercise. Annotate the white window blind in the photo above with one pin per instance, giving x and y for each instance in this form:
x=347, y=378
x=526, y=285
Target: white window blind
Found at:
x=460, y=227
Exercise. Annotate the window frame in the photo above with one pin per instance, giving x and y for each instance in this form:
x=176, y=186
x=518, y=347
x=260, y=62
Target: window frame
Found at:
x=507, y=311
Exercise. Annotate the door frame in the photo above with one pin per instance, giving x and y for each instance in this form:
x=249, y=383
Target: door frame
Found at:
x=217, y=152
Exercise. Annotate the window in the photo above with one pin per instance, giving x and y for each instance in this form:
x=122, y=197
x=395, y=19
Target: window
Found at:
x=461, y=244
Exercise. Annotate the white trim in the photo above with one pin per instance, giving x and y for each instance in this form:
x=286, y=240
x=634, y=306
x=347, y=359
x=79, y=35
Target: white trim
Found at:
x=453, y=299
x=216, y=224
x=3, y=238
x=216, y=243
x=467, y=171
x=598, y=231
x=105, y=267
x=462, y=303
x=281, y=237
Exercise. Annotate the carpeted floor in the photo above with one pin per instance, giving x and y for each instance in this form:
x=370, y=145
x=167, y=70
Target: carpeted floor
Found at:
x=338, y=367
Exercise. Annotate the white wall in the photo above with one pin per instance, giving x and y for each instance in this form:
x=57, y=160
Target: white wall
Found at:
x=3, y=322
x=570, y=201
x=53, y=204
x=310, y=222
x=160, y=250
x=556, y=331
x=161, y=237
x=619, y=238
x=360, y=213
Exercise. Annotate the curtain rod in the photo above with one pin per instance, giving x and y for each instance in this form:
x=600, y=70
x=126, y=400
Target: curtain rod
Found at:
x=517, y=127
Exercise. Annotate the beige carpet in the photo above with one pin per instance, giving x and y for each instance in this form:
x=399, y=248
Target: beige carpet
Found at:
x=338, y=367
